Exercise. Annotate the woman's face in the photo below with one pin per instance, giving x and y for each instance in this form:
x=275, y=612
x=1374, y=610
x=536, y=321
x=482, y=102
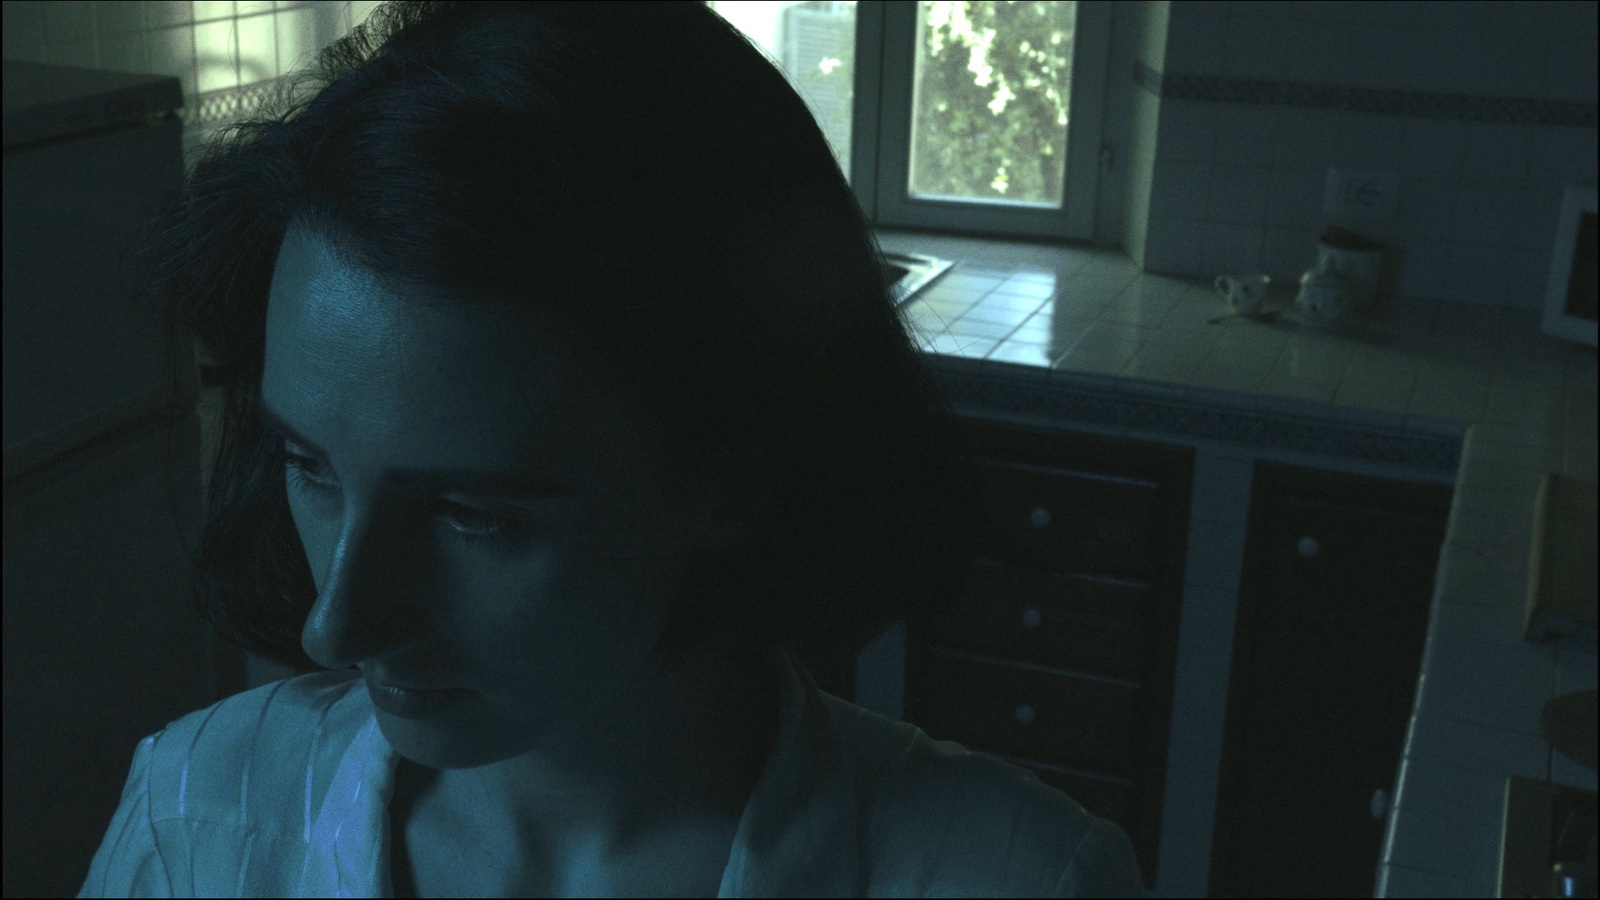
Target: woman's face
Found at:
x=542, y=604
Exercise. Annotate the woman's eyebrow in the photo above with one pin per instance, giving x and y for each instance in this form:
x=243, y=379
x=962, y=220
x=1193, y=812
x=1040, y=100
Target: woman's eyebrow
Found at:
x=475, y=481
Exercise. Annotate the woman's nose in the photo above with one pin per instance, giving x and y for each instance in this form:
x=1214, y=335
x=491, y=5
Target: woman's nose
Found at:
x=363, y=607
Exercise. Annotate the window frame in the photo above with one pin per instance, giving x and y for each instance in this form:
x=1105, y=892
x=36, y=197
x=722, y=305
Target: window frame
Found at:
x=880, y=146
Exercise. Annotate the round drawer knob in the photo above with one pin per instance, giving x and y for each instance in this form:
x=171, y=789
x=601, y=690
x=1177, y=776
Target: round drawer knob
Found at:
x=1040, y=517
x=1024, y=713
x=1380, y=804
x=1308, y=547
x=1031, y=617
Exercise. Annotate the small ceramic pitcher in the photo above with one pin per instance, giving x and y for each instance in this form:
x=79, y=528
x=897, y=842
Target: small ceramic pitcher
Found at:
x=1325, y=296
x=1244, y=293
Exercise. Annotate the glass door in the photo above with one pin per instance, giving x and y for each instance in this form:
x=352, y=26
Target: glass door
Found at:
x=961, y=117
x=989, y=102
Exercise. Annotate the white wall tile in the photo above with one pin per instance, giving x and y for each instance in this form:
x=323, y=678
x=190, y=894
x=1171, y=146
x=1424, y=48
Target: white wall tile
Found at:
x=216, y=55
x=360, y=10
x=1444, y=58
x=1237, y=195
x=1314, y=50
x=1232, y=248
x=160, y=13
x=1569, y=62
x=1326, y=10
x=1541, y=212
x=211, y=10
x=124, y=52
x=1495, y=153
x=172, y=53
x=1428, y=211
x=297, y=42
x=1288, y=252
x=1379, y=54
x=1196, y=42
x=1176, y=247
x=1561, y=156
x=23, y=28
x=1372, y=141
x=1251, y=47
x=1294, y=197
x=1307, y=138
x=68, y=21
x=1201, y=8
x=1431, y=150
x=1528, y=276
x=1489, y=214
x=1179, y=190
x=1188, y=130
x=112, y=19
x=1247, y=134
x=1480, y=273
x=79, y=54
x=1425, y=269
x=1533, y=219
x=1259, y=9
x=1388, y=14
x=258, y=48
x=1508, y=61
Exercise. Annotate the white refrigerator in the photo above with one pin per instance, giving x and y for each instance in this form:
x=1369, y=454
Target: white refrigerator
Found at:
x=102, y=502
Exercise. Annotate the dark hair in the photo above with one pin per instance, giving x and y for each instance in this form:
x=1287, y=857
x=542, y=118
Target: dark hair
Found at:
x=671, y=197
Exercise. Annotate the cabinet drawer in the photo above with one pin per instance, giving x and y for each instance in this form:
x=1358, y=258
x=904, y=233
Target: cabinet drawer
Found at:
x=1081, y=722
x=1071, y=621
x=1070, y=521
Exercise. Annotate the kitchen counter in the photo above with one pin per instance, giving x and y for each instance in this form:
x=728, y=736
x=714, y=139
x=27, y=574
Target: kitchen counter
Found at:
x=1452, y=393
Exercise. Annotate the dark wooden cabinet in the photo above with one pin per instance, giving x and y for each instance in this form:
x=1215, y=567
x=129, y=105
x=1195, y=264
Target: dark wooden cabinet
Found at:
x=1060, y=655
x=1333, y=614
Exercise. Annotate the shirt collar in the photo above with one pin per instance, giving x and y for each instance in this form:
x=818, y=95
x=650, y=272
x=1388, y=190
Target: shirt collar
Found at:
x=800, y=832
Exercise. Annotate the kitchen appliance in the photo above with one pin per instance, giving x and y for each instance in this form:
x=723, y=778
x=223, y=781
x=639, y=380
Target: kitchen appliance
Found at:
x=1355, y=256
x=1562, y=581
x=1547, y=840
x=102, y=644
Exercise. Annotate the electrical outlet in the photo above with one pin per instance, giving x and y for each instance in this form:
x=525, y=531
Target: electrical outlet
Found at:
x=1362, y=193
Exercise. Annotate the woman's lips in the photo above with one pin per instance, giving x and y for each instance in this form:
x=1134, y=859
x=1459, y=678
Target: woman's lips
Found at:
x=413, y=703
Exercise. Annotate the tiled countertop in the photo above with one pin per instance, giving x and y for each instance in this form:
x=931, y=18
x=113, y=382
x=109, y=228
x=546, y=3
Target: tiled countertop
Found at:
x=1519, y=403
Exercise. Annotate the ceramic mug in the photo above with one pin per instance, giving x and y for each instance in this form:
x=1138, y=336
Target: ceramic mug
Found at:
x=1244, y=293
x=1325, y=296
x=1359, y=267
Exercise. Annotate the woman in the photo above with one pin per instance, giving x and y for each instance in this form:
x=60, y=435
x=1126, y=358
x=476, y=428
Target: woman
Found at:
x=567, y=412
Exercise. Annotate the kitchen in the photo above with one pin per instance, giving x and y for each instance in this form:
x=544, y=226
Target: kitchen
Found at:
x=1213, y=168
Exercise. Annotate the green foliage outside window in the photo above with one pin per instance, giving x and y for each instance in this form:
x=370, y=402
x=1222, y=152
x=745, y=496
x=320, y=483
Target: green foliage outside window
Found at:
x=990, y=117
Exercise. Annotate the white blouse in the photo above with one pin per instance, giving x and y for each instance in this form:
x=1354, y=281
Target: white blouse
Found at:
x=283, y=791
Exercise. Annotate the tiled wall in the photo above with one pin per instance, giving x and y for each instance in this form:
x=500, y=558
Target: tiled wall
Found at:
x=218, y=50
x=1229, y=139
x=1484, y=111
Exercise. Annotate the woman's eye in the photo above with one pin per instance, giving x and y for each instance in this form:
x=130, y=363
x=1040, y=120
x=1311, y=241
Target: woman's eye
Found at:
x=307, y=475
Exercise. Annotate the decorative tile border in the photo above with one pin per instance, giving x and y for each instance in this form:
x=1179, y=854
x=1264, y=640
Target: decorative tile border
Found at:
x=1055, y=400
x=1419, y=104
x=215, y=108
